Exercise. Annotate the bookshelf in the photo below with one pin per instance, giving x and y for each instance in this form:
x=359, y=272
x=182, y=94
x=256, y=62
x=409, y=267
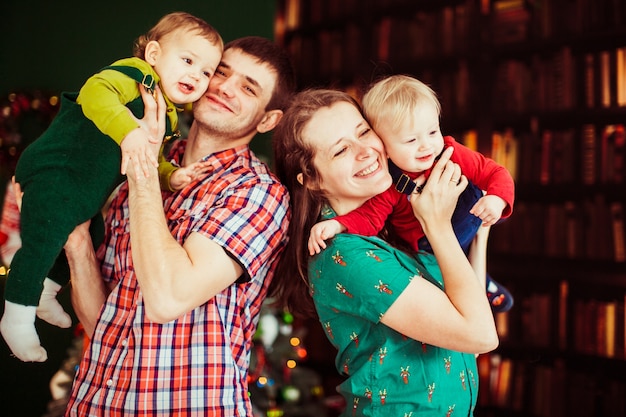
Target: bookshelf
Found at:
x=540, y=86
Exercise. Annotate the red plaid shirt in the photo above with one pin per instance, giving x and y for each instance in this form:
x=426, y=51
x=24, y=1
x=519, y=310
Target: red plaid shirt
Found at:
x=196, y=365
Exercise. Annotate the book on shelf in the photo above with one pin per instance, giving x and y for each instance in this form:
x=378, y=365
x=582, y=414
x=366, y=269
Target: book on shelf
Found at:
x=599, y=327
x=589, y=154
x=504, y=150
x=292, y=14
x=607, y=78
x=613, y=154
x=620, y=76
x=562, y=324
x=618, y=231
x=536, y=320
x=589, y=71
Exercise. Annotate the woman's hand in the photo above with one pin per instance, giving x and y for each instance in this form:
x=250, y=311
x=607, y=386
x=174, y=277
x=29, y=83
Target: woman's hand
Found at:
x=440, y=194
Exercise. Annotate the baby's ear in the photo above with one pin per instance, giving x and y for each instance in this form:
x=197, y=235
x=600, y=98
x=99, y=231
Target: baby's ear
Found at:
x=152, y=52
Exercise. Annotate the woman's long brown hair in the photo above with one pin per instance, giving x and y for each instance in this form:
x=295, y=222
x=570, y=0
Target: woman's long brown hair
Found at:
x=293, y=156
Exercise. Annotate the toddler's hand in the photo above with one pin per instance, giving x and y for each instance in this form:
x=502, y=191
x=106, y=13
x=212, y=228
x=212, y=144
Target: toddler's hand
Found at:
x=322, y=231
x=138, y=149
x=489, y=209
x=185, y=175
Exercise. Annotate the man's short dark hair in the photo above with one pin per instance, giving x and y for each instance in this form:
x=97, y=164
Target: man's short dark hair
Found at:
x=268, y=52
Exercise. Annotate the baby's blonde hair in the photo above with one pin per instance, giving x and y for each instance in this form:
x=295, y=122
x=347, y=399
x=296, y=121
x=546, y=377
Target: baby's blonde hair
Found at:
x=393, y=98
x=176, y=21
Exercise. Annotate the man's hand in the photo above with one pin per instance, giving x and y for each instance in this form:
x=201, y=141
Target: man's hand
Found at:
x=78, y=239
x=136, y=150
x=151, y=126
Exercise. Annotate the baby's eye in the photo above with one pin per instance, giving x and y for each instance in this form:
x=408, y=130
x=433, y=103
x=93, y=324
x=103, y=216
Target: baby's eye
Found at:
x=207, y=74
x=187, y=60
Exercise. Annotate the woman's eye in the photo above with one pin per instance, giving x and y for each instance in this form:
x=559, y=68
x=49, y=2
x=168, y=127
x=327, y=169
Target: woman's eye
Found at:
x=365, y=132
x=340, y=151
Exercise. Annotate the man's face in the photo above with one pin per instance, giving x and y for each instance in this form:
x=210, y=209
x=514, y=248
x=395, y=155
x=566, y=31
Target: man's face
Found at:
x=237, y=96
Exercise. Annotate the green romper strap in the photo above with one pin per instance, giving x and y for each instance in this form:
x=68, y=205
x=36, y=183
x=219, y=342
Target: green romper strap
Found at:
x=147, y=80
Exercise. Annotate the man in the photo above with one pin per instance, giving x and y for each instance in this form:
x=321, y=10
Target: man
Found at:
x=175, y=332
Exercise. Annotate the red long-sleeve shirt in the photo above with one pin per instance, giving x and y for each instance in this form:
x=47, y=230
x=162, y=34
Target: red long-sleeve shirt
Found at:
x=485, y=173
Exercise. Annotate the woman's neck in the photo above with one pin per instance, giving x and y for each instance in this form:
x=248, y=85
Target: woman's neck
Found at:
x=345, y=206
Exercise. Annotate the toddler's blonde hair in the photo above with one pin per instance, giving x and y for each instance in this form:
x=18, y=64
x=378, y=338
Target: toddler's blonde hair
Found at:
x=393, y=98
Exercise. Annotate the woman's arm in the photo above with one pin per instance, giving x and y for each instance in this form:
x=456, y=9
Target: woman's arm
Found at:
x=459, y=318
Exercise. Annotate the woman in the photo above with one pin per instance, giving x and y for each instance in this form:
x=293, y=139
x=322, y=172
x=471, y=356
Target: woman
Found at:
x=405, y=345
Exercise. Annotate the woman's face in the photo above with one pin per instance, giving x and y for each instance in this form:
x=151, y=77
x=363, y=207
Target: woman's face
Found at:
x=349, y=156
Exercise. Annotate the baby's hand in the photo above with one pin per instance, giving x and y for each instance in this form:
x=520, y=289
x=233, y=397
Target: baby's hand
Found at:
x=489, y=209
x=322, y=231
x=139, y=149
x=185, y=175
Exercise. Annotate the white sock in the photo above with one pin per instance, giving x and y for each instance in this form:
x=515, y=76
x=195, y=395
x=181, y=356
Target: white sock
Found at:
x=49, y=308
x=18, y=328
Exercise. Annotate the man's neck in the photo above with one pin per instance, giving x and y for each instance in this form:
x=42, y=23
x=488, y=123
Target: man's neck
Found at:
x=201, y=143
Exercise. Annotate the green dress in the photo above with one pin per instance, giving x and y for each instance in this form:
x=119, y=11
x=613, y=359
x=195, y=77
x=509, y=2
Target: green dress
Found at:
x=353, y=283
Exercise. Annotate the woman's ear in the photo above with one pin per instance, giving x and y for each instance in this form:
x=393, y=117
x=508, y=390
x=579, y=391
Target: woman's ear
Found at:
x=269, y=121
x=152, y=52
x=300, y=178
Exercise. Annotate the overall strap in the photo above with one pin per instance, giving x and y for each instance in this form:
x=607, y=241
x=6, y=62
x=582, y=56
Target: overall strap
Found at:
x=147, y=80
x=401, y=182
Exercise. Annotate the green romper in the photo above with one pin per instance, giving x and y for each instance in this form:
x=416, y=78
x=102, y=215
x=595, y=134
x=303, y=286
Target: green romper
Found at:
x=66, y=175
x=353, y=282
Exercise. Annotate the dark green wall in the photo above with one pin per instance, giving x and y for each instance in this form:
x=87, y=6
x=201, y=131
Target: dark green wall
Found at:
x=54, y=45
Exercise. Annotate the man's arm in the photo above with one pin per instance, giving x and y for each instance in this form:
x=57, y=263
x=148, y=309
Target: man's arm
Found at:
x=88, y=289
x=172, y=278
